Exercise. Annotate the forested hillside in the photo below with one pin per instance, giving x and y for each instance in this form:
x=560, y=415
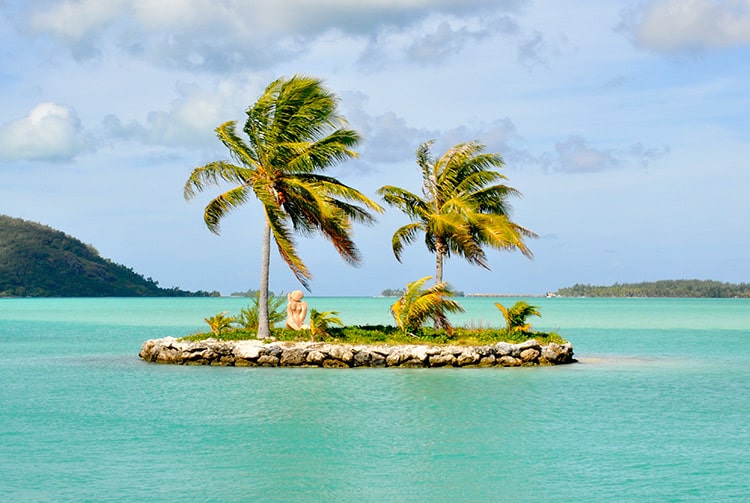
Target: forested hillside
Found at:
x=666, y=288
x=38, y=261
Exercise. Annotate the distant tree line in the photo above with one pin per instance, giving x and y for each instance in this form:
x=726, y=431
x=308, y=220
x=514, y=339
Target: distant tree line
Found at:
x=252, y=293
x=398, y=292
x=393, y=292
x=38, y=261
x=681, y=288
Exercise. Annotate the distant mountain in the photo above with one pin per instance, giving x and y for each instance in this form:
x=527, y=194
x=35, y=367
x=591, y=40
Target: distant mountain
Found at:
x=38, y=261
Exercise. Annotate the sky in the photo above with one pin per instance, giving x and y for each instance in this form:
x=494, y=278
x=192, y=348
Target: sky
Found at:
x=624, y=124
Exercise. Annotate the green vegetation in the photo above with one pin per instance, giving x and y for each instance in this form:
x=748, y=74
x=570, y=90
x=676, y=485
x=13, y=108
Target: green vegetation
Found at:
x=516, y=315
x=219, y=322
x=392, y=335
x=248, y=317
x=38, y=261
x=693, y=288
x=294, y=133
x=411, y=312
x=248, y=293
x=398, y=292
x=463, y=209
x=320, y=323
x=393, y=292
x=419, y=305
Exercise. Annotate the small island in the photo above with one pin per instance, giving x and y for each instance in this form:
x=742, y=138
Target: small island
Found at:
x=257, y=353
x=326, y=342
x=462, y=209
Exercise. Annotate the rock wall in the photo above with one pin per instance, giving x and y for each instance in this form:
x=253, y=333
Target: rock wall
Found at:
x=253, y=353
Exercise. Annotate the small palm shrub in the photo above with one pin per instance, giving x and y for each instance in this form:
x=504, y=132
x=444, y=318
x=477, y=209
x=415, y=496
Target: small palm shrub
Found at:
x=515, y=316
x=248, y=318
x=419, y=305
x=320, y=323
x=219, y=322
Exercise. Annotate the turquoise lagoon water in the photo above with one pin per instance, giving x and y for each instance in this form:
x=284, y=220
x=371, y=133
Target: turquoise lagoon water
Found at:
x=656, y=410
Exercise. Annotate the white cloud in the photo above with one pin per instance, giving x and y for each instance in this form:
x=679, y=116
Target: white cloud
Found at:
x=674, y=25
x=575, y=155
x=536, y=51
x=183, y=33
x=50, y=132
x=75, y=18
x=448, y=38
x=496, y=136
x=189, y=121
x=387, y=136
x=434, y=38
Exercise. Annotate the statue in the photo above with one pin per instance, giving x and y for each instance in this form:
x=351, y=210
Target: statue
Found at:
x=296, y=310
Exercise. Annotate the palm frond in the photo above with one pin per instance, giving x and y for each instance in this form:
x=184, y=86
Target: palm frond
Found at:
x=213, y=174
x=494, y=199
x=516, y=315
x=241, y=152
x=406, y=234
x=472, y=183
x=281, y=232
x=463, y=193
x=411, y=204
x=294, y=132
x=500, y=233
x=419, y=305
x=218, y=207
x=306, y=157
x=320, y=322
x=338, y=191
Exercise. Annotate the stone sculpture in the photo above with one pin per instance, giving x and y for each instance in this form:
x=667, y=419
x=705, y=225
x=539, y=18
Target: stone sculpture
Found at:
x=296, y=310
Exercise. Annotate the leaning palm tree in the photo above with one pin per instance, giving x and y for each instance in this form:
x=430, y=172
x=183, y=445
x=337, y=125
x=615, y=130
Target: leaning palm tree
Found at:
x=463, y=207
x=294, y=133
x=418, y=305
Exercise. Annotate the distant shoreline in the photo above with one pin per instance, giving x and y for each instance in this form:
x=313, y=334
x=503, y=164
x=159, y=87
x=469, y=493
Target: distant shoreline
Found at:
x=533, y=295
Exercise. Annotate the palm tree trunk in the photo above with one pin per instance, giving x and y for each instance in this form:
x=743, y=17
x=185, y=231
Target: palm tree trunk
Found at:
x=264, y=331
x=440, y=248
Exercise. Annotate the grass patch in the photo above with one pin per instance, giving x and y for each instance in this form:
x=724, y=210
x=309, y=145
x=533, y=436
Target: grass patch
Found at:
x=391, y=335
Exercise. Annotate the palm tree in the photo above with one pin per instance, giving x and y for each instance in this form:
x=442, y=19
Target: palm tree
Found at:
x=418, y=305
x=515, y=316
x=248, y=317
x=320, y=323
x=219, y=322
x=294, y=133
x=463, y=207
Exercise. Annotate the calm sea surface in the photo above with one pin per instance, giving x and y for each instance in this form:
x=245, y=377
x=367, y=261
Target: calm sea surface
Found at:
x=657, y=410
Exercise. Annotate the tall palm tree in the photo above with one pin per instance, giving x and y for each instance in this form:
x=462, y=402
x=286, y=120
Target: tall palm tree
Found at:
x=294, y=133
x=463, y=208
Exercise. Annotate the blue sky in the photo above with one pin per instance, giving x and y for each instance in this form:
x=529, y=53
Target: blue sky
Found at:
x=623, y=123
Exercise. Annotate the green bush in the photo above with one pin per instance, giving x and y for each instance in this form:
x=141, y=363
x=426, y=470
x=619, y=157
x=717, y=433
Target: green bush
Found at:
x=391, y=335
x=248, y=317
